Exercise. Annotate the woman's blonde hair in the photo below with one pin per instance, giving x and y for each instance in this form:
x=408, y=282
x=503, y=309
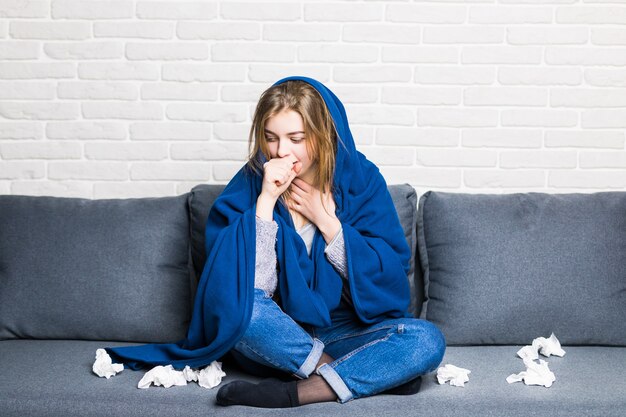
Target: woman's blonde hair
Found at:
x=319, y=130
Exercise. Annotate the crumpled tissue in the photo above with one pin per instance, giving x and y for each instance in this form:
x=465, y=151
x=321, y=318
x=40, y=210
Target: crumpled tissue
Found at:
x=457, y=376
x=537, y=373
x=211, y=376
x=104, y=366
x=546, y=347
x=167, y=376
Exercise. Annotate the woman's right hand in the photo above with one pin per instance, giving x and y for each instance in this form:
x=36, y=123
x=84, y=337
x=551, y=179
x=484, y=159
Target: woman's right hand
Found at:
x=278, y=174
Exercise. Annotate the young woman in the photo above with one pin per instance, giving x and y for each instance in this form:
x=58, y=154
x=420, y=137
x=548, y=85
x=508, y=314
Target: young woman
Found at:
x=306, y=274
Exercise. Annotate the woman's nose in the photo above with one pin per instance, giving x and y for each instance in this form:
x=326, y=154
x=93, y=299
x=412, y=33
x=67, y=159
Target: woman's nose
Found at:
x=283, y=148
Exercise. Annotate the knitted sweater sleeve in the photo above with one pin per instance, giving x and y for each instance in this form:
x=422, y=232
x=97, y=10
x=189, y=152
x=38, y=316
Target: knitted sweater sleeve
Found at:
x=265, y=274
x=336, y=253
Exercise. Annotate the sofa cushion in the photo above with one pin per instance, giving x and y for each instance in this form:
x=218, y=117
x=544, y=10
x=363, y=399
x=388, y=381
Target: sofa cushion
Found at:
x=201, y=199
x=73, y=268
x=404, y=199
x=54, y=378
x=505, y=269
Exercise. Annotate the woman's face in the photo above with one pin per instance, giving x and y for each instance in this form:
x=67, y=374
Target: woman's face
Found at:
x=285, y=137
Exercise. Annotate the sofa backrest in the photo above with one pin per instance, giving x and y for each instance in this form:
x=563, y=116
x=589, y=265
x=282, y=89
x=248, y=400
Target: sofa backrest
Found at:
x=404, y=199
x=73, y=268
x=116, y=269
x=490, y=269
x=505, y=269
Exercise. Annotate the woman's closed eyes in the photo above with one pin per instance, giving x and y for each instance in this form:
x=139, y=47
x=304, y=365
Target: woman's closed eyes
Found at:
x=294, y=140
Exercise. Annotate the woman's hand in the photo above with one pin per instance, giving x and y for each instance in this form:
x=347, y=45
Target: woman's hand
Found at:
x=306, y=201
x=277, y=176
x=278, y=173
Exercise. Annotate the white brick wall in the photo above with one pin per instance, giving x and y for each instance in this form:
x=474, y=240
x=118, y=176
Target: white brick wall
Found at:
x=131, y=98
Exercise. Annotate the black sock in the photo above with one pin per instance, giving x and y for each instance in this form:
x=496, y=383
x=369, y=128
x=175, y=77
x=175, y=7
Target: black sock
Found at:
x=408, y=388
x=269, y=393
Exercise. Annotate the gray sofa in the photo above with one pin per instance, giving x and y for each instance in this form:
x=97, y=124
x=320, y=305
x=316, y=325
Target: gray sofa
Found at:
x=492, y=271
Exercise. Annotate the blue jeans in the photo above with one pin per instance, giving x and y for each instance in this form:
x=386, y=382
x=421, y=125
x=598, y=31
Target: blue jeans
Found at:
x=368, y=359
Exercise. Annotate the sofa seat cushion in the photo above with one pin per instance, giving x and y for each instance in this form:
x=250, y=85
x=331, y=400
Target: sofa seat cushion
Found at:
x=54, y=378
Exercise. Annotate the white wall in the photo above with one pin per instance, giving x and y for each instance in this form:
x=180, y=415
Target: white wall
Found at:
x=108, y=99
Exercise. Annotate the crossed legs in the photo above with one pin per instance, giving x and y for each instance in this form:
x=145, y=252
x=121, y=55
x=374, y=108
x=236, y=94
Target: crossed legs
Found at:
x=384, y=358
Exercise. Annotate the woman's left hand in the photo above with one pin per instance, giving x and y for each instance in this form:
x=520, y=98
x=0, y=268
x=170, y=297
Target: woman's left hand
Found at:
x=306, y=201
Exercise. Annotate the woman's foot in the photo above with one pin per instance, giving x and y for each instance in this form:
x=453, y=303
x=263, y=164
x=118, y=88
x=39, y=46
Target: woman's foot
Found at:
x=269, y=393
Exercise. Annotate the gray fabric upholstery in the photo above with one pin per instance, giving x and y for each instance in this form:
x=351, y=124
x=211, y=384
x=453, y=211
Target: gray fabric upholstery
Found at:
x=54, y=378
x=107, y=270
x=504, y=269
x=404, y=199
x=73, y=268
x=201, y=199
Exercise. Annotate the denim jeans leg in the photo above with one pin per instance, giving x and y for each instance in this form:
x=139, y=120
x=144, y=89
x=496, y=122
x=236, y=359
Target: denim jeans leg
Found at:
x=274, y=339
x=371, y=359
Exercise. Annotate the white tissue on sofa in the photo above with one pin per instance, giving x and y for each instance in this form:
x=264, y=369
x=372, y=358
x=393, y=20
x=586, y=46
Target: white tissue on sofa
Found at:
x=104, y=366
x=211, y=376
x=457, y=376
x=546, y=347
x=167, y=376
x=190, y=374
x=537, y=373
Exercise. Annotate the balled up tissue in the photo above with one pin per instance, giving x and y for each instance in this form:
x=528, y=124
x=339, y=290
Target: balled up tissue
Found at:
x=546, y=347
x=104, y=366
x=211, y=376
x=166, y=376
x=457, y=376
x=537, y=373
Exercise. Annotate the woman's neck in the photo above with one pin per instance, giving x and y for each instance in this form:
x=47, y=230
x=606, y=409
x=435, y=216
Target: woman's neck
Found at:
x=299, y=220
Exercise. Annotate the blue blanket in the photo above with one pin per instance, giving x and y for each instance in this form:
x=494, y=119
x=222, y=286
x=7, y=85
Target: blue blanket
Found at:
x=376, y=251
